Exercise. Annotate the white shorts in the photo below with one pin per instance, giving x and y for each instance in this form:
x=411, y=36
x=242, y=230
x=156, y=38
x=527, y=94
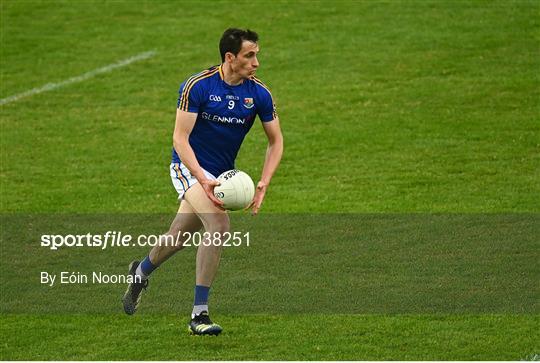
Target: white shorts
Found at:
x=182, y=178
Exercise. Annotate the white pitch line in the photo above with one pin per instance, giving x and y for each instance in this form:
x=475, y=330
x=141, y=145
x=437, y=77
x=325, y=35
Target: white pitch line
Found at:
x=82, y=77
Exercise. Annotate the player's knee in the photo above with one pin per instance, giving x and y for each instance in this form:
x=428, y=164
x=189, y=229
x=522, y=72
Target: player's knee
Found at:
x=178, y=246
x=178, y=240
x=220, y=225
x=174, y=231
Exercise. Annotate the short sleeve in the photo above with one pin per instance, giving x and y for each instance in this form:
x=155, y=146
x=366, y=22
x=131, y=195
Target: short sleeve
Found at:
x=190, y=96
x=266, y=108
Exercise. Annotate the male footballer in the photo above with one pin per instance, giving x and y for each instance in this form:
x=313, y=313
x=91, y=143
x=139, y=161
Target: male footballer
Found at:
x=216, y=108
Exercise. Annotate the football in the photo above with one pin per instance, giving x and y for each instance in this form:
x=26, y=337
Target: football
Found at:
x=236, y=189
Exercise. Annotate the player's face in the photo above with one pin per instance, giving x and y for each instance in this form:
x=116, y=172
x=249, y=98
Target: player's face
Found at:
x=246, y=63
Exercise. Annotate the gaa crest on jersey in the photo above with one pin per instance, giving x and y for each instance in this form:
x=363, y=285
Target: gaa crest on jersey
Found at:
x=248, y=103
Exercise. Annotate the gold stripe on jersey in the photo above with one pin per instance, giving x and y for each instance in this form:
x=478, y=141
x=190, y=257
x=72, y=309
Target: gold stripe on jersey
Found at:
x=198, y=75
x=221, y=71
x=188, y=84
x=260, y=83
x=189, y=81
x=184, y=99
x=186, y=105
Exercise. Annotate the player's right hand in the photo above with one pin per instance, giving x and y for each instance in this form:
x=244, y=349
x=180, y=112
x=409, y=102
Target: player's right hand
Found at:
x=208, y=187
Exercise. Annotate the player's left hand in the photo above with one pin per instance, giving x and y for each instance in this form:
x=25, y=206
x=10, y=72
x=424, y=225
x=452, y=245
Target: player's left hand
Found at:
x=258, y=198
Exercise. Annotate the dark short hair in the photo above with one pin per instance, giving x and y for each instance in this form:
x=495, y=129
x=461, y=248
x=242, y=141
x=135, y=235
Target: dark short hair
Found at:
x=231, y=40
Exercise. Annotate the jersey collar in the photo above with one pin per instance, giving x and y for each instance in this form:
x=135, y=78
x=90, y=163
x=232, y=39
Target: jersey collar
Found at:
x=221, y=72
x=222, y=76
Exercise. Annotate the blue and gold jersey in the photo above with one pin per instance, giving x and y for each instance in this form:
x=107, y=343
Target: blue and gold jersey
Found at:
x=225, y=115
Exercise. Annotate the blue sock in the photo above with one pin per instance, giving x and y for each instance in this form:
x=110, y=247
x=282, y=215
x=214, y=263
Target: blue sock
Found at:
x=201, y=295
x=147, y=266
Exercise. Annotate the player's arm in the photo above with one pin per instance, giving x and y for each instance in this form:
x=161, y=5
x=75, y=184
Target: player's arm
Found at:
x=274, y=152
x=185, y=121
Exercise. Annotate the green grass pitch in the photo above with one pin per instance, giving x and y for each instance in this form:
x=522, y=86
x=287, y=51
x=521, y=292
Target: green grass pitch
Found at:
x=388, y=108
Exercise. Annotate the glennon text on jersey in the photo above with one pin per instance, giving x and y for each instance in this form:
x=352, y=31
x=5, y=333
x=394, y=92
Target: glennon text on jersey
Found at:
x=223, y=119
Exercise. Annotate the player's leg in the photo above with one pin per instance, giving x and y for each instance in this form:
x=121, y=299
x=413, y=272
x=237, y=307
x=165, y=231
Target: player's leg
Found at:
x=185, y=221
x=172, y=241
x=215, y=222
